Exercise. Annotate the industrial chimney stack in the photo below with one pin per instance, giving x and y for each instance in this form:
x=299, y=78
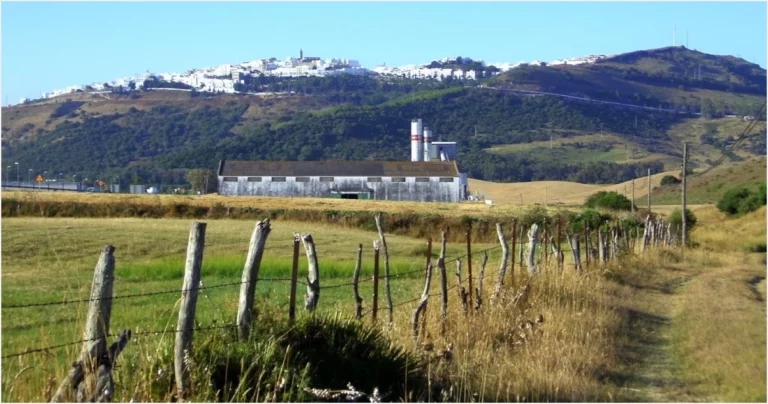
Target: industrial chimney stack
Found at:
x=417, y=150
x=427, y=144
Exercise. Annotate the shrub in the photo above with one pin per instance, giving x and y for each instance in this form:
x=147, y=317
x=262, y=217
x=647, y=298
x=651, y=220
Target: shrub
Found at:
x=670, y=180
x=676, y=219
x=738, y=201
x=609, y=200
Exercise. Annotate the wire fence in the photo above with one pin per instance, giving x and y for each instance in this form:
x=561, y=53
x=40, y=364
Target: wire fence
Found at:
x=521, y=243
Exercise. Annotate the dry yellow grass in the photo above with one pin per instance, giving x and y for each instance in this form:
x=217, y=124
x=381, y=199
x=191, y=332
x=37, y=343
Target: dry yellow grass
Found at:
x=445, y=209
x=560, y=192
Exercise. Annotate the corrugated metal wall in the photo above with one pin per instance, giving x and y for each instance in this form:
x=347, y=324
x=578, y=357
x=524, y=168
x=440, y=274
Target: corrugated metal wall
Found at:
x=410, y=190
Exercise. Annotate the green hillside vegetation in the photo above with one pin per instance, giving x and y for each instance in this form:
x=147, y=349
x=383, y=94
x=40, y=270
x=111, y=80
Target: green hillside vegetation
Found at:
x=156, y=136
x=710, y=187
x=673, y=77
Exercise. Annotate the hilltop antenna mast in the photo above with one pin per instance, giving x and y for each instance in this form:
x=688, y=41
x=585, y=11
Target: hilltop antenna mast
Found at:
x=674, y=36
x=686, y=39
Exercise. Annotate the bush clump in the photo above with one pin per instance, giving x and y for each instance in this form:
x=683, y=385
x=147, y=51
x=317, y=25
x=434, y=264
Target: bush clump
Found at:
x=609, y=200
x=670, y=180
x=676, y=219
x=738, y=201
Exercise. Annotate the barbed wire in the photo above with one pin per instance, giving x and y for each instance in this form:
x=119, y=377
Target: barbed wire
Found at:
x=154, y=332
x=65, y=302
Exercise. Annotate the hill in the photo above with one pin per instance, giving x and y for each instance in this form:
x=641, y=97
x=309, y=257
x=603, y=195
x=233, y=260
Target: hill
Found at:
x=154, y=136
x=672, y=77
x=703, y=189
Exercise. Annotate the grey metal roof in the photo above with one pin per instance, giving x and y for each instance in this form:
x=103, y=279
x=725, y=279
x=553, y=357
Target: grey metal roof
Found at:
x=239, y=168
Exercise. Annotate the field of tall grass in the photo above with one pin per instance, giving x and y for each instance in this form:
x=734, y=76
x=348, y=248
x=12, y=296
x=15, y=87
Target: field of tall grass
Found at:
x=632, y=330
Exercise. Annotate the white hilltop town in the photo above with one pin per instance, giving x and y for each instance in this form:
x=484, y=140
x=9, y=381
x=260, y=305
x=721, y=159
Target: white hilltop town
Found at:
x=223, y=78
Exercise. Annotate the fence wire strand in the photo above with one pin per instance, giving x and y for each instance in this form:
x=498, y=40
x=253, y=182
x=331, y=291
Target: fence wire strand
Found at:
x=133, y=334
x=65, y=302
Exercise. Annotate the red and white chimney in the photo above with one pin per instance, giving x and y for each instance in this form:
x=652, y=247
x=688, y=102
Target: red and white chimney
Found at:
x=427, y=144
x=417, y=149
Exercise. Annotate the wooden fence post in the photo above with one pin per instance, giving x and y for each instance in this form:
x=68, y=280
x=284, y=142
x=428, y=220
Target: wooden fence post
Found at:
x=469, y=261
x=186, y=324
x=522, y=243
x=462, y=291
x=559, y=244
x=533, y=235
x=557, y=252
x=587, y=244
x=514, y=241
x=355, y=278
x=294, y=278
x=601, y=246
x=573, y=240
x=545, y=250
x=90, y=378
x=479, y=297
x=250, y=277
x=443, y=283
x=504, y=257
x=313, y=274
x=646, y=234
x=375, y=280
x=426, y=268
x=387, y=276
x=422, y=304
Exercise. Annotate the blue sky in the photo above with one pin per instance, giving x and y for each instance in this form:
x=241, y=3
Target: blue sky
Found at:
x=46, y=46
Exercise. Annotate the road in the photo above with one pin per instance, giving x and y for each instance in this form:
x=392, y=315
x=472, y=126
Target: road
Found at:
x=530, y=92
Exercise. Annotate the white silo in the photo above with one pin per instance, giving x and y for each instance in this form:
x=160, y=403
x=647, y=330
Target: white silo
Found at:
x=417, y=150
x=427, y=144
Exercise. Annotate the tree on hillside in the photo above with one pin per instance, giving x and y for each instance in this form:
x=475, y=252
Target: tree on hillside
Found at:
x=202, y=179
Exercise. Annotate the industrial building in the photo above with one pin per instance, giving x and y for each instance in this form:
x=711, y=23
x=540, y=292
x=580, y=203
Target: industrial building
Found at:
x=432, y=175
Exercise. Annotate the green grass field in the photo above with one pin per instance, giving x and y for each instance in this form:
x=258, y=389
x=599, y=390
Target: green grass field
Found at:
x=52, y=260
x=577, y=149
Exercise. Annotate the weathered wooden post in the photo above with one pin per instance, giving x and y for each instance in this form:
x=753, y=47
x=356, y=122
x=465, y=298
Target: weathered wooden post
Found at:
x=533, y=235
x=250, y=277
x=355, y=278
x=294, y=278
x=460, y=289
x=90, y=378
x=587, y=245
x=469, y=261
x=422, y=304
x=646, y=234
x=313, y=274
x=428, y=263
x=375, y=280
x=573, y=241
x=601, y=246
x=186, y=324
x=514, y=241
x=559, y=243
x=557, y=252
x=479, y=297
x=504, y=257
x=545, y=250
x=443, y=283
x=386, y=265
x=522, y=243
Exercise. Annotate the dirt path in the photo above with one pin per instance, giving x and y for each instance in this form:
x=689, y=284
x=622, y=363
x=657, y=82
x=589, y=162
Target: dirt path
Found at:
x=650, y=372
x=693, y=333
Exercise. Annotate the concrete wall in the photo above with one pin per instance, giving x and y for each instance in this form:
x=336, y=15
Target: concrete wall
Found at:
x=410, y=190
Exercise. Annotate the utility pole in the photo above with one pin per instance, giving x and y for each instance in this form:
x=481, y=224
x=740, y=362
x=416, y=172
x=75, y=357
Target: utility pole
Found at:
x=685, y=166
x=521, y=199
x=545, y=197
x=633, y=195
x=649, y=190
